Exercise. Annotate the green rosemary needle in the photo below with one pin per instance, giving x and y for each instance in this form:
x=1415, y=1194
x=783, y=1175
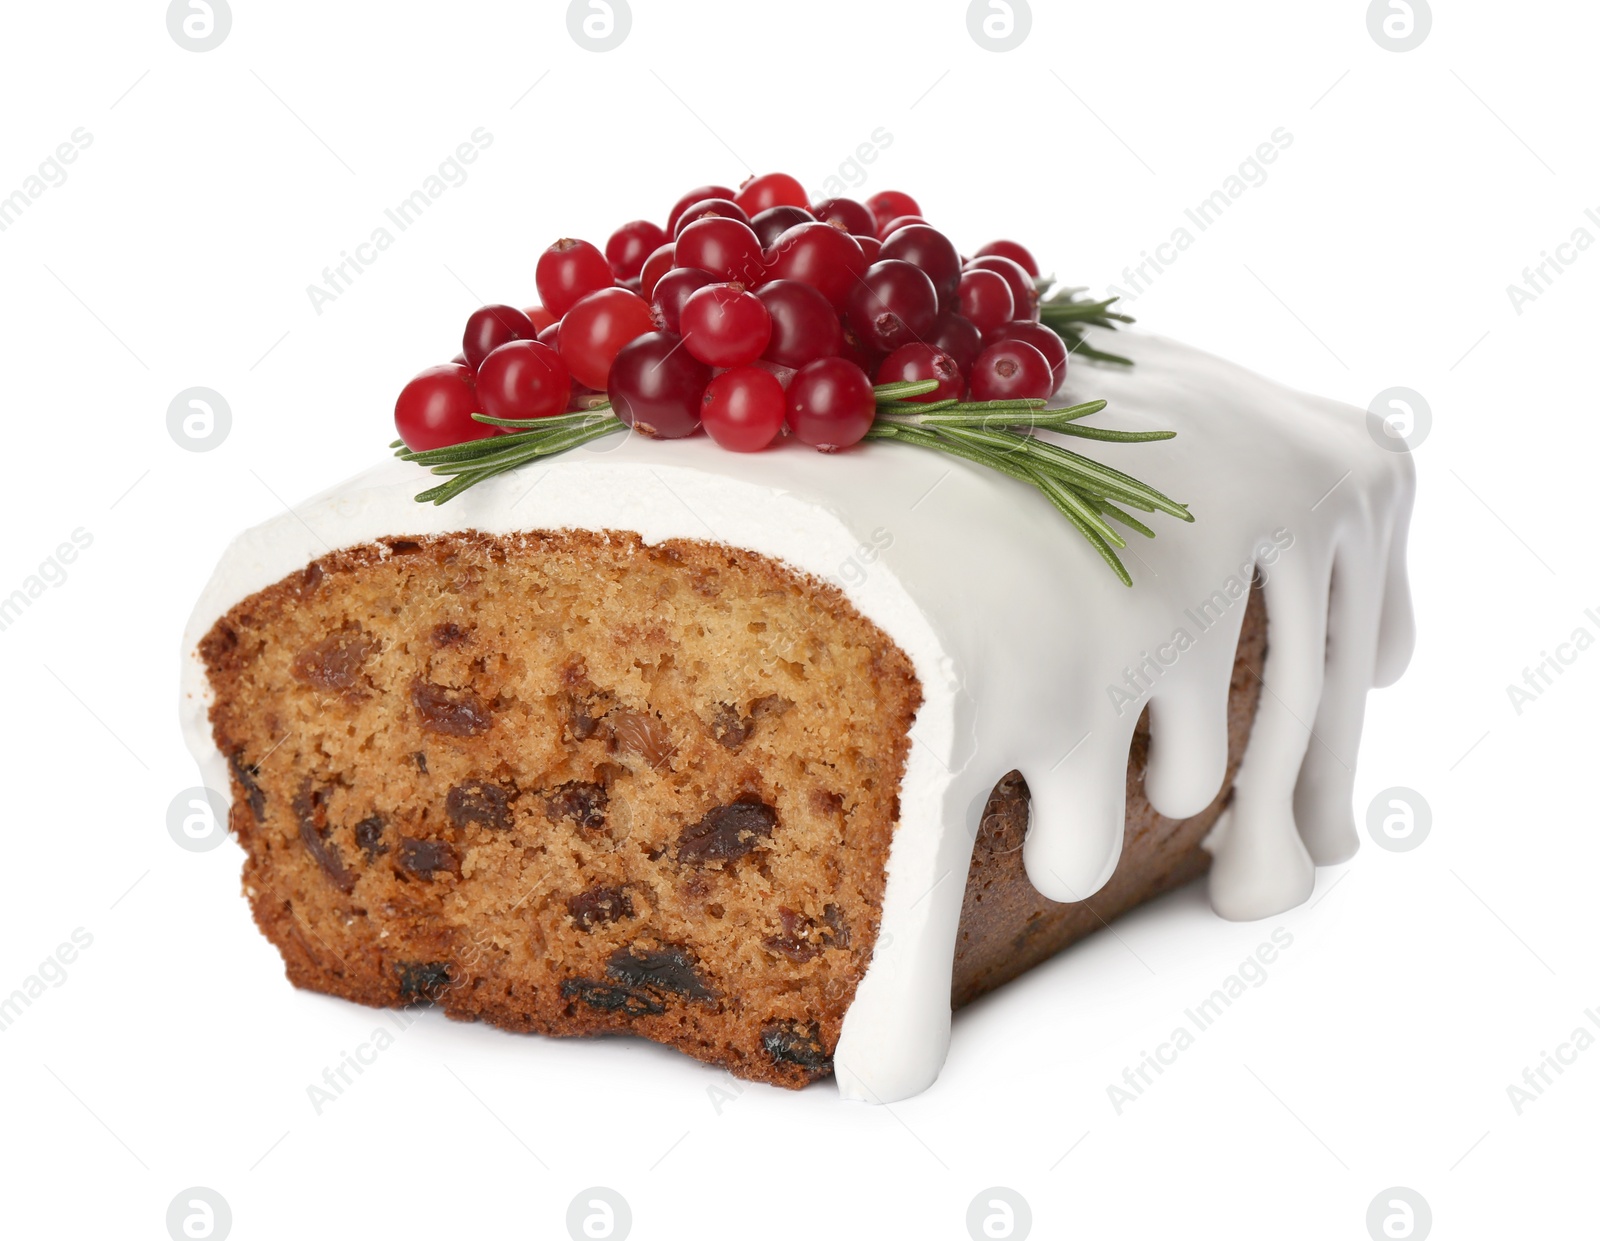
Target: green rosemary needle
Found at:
x=1061, y=310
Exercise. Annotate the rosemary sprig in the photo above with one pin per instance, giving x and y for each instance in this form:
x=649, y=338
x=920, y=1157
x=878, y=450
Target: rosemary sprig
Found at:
x=998, y=435
x=1063, y=311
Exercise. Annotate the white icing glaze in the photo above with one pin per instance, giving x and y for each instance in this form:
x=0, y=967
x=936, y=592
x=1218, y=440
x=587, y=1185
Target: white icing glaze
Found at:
x=1018, y=633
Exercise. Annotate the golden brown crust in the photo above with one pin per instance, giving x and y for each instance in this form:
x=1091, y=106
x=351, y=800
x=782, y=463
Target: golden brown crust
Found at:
x=1007, y=927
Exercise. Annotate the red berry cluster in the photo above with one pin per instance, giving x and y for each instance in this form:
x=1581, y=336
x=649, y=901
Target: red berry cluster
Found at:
x=753, y=313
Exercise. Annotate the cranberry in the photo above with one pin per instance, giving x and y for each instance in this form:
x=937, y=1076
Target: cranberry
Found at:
x=986, y=299
x=959, y=337
x=435, y=409
x=726, y=248
x=887, y=204
x=783, y=374
x=707, y=208
x=1024, y=293
x=523, y=379
x=672, y=290
x=918, y=361
x=656, y=385
x=1014, y=251
x=662, y=260
x=723, y=325
x=831, y=404
x=929, y=249
x=549, y=335
x=892, y=305
x=845, y=213
x=743, y=409
x=855, y=350
x=774, y=222
x=631, y=245
x=539, y=317
x=775, y=189
x=594, y=330
x=1012, y=370
x=568, y=271
x=871, y=247
x=804, y=325
x=698, y=194
x=1045, y=340
x=489, y=327
x=895, y=225
x=819, y=255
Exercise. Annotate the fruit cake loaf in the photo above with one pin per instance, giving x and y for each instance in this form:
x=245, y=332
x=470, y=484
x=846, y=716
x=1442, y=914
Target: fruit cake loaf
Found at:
x=654, y=737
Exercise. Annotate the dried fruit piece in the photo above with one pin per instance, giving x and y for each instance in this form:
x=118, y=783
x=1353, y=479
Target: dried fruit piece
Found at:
x=598, y=905
x=449, y=634
x=246, y=773
x=581, y=801
x=369, y=837
x=455, y=713
x=669, y=968
x=313, y=818
x=802, y=938
x=727, y=832
x=827, y=803
x=838, y=929
x=610, y=999
x=335, y=663
x=580, y=723
x=795, y=941
x=644, y=735
x=480, y=802
x=789, y=1042
x=423, y=857
x=424, y=978
x=730, y=728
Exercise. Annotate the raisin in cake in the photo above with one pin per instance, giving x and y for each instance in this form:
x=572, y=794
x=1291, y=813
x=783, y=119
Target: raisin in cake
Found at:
x=772, y=758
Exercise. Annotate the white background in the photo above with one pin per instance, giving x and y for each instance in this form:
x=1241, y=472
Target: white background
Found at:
x=178, y=251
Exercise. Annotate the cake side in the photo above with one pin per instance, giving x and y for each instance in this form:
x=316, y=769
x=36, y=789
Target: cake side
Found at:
x=1008, y=927
x=569, y=783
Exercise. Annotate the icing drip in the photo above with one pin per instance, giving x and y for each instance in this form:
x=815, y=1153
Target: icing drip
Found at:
x=1031, y=655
